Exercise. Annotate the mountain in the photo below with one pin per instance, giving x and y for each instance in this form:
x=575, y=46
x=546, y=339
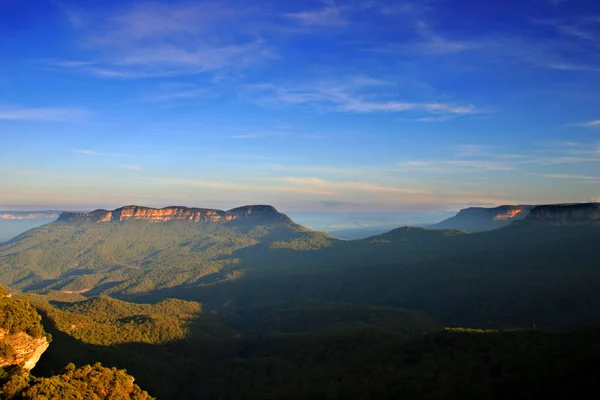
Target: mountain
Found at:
x=257, y=213
x=521, y=275
x=13, y=223
x=480, y=219
x=561, y=215
x=255, y=306
x=138, y=249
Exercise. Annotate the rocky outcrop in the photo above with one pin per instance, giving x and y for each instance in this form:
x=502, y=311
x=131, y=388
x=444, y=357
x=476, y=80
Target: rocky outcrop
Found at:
x=21, y=349
x=479, y=219
x=173, y=213
x=583, y=214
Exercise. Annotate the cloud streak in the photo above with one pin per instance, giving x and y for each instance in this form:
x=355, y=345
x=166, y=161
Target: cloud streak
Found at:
x=588, y=124
x=154, y=39
x=51, y=114
x=355, y=94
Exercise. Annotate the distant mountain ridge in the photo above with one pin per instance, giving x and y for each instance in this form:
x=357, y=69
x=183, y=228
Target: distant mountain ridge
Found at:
x=18, y=215
x=580, y=214
x=172, y=213
x=480, y=219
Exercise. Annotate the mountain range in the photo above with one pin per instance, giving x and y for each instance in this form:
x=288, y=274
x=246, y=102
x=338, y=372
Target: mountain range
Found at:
x=246, y=303
x=255, y=254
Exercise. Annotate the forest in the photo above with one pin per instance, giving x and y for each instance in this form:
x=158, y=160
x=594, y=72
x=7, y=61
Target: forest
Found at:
x=269, y=309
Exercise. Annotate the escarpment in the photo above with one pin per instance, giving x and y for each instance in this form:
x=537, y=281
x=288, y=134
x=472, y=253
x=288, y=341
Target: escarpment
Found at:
x=558, y=215
x=127, y=213
x=479, y=219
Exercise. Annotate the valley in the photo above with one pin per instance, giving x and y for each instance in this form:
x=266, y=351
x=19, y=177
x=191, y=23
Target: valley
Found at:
x=258, y=305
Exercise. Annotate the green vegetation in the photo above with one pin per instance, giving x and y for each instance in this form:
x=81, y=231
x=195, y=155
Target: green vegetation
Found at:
x=18, y=316
x=327, y=350
x=138, y=256
x=269, y=311
x=105, y=321
x=87, y=382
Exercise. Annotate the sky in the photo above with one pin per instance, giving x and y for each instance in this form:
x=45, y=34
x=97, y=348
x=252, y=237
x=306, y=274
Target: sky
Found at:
x=349, y=106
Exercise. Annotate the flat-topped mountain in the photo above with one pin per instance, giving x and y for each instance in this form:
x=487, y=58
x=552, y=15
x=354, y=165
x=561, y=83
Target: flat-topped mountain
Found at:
x=263, y=212
x=583, y=214
x=135, y=249
x=479, y=219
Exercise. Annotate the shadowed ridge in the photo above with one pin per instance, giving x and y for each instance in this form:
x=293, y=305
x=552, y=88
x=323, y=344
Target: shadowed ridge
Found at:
x=263, y=213
x=562, y=215
x=405, y=232
x=480, y=219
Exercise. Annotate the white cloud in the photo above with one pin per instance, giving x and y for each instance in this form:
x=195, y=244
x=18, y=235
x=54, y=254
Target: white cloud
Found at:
x=570, y=176
x=329, y=15
x=54, y=114
x=314, y=182
x=154, y=39
x=354, y=94
x=131, y=167
x=240, y=187
x=588, y=124
x=98, y=153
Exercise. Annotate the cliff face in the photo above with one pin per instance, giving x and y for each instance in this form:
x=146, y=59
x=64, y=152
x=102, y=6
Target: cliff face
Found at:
x=175, y=213
x=21, y=349
x=585, y=214
x=479, y=219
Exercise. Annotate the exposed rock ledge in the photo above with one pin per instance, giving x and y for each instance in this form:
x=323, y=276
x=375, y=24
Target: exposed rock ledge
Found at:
x=24, y=350
x=174, y=213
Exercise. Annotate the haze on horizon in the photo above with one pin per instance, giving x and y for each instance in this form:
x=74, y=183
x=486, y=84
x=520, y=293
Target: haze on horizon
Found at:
x=354, y=106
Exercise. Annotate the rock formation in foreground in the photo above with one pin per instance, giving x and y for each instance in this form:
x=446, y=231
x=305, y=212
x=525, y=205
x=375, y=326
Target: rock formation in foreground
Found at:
x=21, y=349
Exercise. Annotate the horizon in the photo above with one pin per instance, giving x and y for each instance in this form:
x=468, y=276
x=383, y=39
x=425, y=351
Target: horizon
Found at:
x=310, y=106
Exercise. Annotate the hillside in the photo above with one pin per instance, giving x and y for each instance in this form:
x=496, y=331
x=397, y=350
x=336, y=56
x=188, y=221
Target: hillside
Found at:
x=135, y=253
x=521, y=275
x=319, y=350
x=23, y=341
x=290, y=313
x=480, y=219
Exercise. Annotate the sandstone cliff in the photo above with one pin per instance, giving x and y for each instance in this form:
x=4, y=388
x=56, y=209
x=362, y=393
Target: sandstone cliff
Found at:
x=584, y=214
x=20, y=349
x=172, y=213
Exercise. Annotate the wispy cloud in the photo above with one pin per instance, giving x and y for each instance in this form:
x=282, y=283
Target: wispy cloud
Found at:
x=328, y=15
x=570, y=176
x=450, y=166
x=355, y=94
x=154, y=39
x=588, y=124
x=239, y=187
x=258, y=135
x=54, y=114
x=441, y=118
x=436, y=44
x=131, y=167
x=314, y=182
x=98, y=153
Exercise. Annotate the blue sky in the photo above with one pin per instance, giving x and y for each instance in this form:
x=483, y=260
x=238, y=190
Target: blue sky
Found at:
x=307, y=105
